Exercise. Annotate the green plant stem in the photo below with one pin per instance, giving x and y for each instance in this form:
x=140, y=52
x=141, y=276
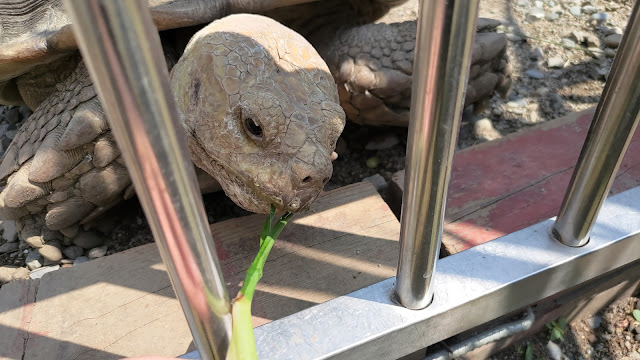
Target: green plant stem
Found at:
x=243, y=343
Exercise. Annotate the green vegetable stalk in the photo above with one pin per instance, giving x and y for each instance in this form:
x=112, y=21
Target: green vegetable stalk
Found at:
x=243, y=343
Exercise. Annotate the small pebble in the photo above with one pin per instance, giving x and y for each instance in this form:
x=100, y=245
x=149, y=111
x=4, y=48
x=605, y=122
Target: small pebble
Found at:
x=568, y=43
x=552, y=16
x=613, y=41
x=589, y=9
x=523, y=3
x=542, y=91
x=535, y=13
x=12, y=116
x=382, y=142
x=97, y=252
x=80, y=260
x=10, y=232
x=555, y=352
x=73, y=252
x=536, y=54
x=594, y=322
x=21, y=273
x=601, y=17
x=51, y=253
x=6, y=274
x=555, y=62
x=518, y=103
x=88, y=240
x=575, y=10
x=34, y=260
x=514, y=37
x=535, y=74
x=483, y=129
x=38, y=273
x=377, y=180
x=8, y=247
x=11, y=134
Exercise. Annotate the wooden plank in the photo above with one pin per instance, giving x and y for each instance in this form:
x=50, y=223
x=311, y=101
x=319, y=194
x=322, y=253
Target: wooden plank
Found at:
x=123, y=305
x=503, y=186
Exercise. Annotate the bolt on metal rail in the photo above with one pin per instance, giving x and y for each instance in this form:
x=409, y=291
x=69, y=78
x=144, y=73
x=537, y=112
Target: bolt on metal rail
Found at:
x=131, y=80
x=122, y=50
x=614, y=123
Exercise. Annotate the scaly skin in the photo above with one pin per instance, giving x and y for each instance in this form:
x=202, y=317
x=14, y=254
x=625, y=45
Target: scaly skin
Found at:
x=63, y=168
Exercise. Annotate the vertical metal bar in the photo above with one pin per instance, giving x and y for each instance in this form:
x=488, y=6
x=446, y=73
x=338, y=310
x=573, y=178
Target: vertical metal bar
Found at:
x=614, y=123
x=122, y=50
x=442, y=58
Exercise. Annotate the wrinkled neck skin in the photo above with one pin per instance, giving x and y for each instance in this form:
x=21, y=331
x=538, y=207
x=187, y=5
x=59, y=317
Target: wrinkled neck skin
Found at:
x=260, y=111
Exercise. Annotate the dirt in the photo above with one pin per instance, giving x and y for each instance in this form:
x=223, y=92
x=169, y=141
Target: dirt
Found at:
x=574, y=87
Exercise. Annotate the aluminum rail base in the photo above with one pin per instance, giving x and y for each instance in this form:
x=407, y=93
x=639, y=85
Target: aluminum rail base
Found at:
x=471, y=287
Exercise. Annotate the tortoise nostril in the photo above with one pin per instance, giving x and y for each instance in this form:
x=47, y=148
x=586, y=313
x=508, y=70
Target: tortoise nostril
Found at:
x=306, y=180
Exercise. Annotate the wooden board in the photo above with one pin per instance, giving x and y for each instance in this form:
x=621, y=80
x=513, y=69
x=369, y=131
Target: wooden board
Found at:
x=503, y=186
x=123, y=304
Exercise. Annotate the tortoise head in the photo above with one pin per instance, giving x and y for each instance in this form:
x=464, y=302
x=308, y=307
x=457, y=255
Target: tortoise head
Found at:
x=261, y=111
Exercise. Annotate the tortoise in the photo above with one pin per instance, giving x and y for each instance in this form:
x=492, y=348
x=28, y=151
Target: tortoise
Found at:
x=259, y=105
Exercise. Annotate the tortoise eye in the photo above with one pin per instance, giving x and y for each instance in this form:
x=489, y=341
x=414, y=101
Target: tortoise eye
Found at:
x=253, y=127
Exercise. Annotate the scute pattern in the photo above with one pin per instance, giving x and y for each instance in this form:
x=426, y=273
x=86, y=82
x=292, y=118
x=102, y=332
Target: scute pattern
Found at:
x=373, y=65
x=63, y=165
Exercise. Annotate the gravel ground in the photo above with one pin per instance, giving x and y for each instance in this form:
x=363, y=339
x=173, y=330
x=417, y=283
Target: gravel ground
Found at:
x=560, y=51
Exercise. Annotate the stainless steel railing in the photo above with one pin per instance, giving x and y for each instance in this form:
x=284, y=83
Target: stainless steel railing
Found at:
x=441, y=66
x=614, y=123
x=122, y=50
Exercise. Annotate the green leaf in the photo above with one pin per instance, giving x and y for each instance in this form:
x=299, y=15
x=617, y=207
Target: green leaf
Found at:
x=636, y=314
x=562, y=323
x=528, y=354
x=555, y=334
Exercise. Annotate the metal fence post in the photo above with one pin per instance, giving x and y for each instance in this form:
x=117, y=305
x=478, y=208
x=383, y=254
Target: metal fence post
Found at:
x=442, y=58
x=122, y=50
x=614, y=123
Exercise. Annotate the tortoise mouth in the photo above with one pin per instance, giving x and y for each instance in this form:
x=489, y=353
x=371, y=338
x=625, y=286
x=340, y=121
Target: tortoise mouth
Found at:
x=256, y=198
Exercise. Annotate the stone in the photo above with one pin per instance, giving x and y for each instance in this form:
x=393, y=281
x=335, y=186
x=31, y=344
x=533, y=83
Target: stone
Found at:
x=97, y=252
x=514, y=37
x=609, y=53
x=73, y=252
x=542, y=91
x=51, y=253
x=11, y=134
x=601, y=17
x=534, y=74
x=594, y=322
x=88, y=240
x=589, y=9
x=555, y=62
x=556, y=102
x=12, y=116
x=555, y=352
x=377, y=181
x=568, y=43
x=611, y=30
x=536, y=54
x=8, y=247
x=585, y=38
x=10, y=232
x=79, y=260
x=552, y=16
x=517, y=103
x=6, y=274
x=483, y=129
x=523, y=3
x=575, y=10
x=613, y=41
x=382, y=142
x=38, y=273
x=535, y=13
x=34, y=260
x=35, y=241
x=21, y=273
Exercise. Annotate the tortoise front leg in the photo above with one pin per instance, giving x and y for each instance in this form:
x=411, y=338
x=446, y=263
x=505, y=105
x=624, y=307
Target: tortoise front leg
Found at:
x=373, y=64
